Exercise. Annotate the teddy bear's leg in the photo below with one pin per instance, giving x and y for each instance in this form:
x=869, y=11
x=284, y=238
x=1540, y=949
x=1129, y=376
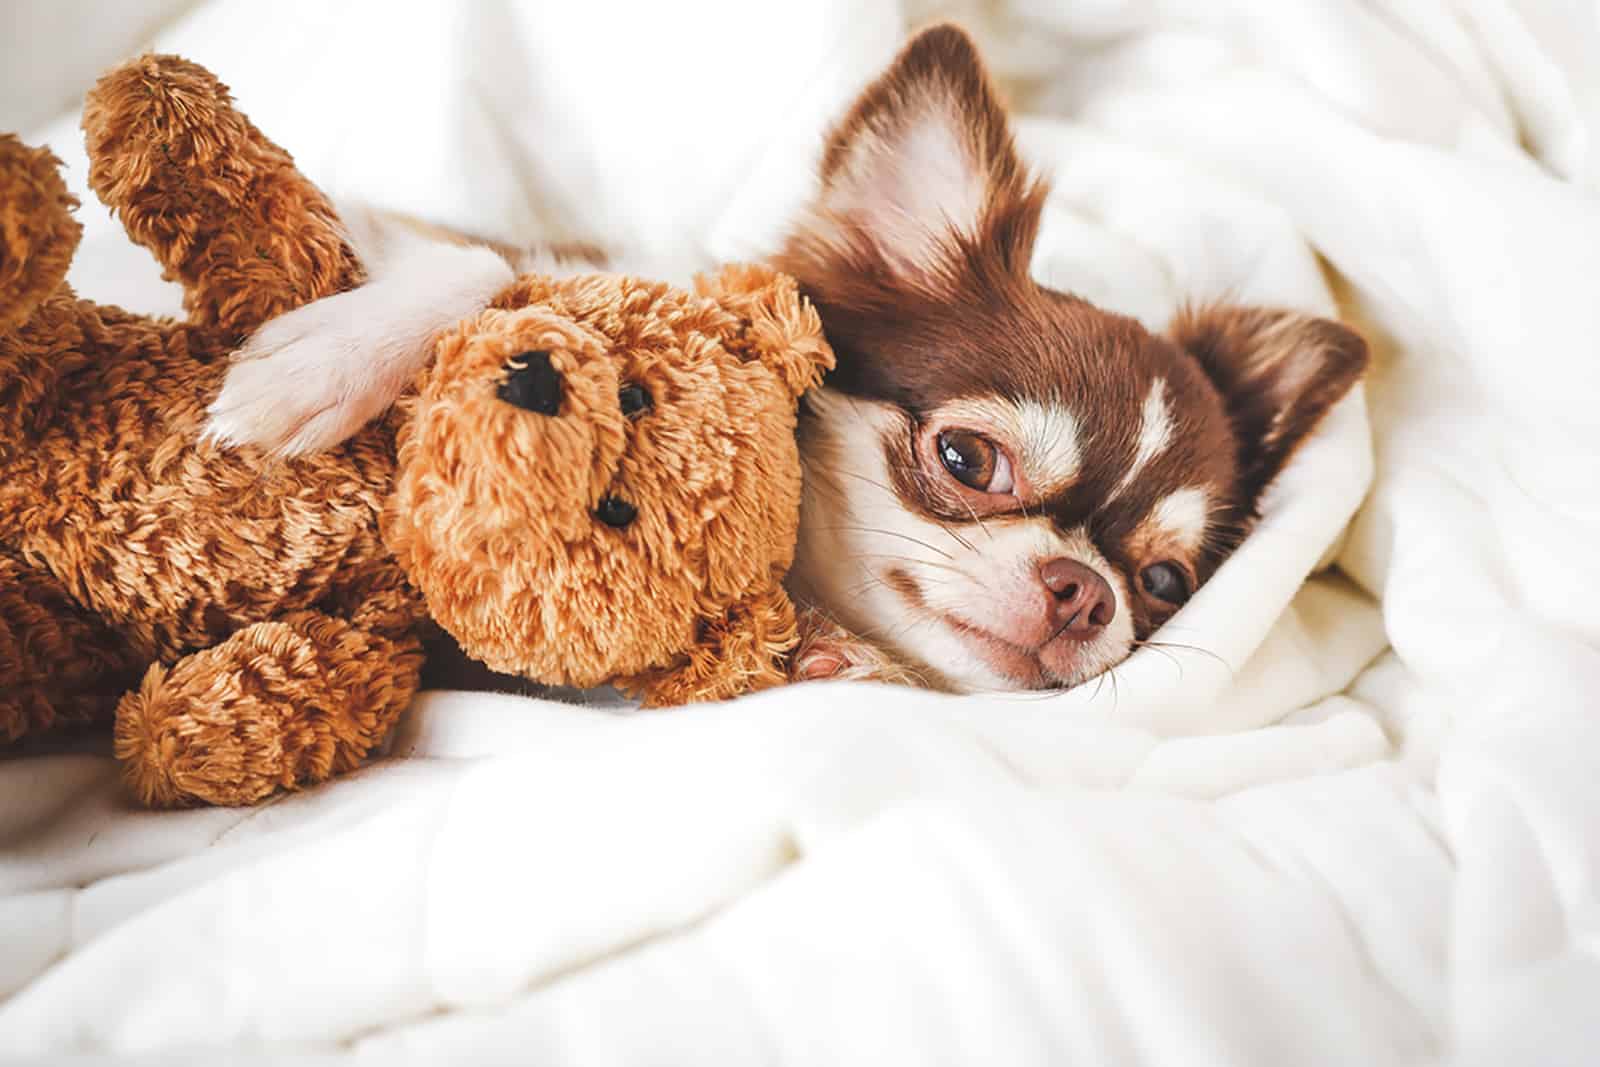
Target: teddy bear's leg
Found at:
x=743, y=651
x=222, y=207
x=277, y=705
x=58, y=665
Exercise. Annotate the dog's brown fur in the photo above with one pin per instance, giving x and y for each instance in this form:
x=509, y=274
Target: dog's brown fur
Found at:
x=254, y=623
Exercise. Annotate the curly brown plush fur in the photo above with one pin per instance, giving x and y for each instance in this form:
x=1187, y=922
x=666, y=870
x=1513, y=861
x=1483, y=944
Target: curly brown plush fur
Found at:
x=254, y=623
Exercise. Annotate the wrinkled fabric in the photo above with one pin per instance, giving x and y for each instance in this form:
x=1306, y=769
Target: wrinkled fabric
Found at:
x=1350, y=815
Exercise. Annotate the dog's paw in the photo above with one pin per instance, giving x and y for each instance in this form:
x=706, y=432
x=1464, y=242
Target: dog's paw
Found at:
x=312, y=377
x=827, y=651
x=306, y=380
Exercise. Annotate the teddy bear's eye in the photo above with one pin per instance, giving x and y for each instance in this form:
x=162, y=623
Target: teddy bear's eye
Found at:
x=532, y=384
x=634, y=400
x=616, y=512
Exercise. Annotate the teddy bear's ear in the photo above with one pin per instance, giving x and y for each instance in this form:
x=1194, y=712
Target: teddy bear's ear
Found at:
x=776, y=324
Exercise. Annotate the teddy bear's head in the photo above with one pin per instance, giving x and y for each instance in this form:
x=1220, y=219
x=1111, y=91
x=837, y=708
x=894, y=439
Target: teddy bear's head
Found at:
x=594, y=467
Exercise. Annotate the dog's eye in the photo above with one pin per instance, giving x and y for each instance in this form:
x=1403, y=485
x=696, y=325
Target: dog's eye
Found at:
x=1165, y=582
x=634, y=400
x=974, y=461
x=532, y=384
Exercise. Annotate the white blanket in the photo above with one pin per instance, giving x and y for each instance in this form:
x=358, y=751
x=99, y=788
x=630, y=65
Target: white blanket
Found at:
x=1358, y=823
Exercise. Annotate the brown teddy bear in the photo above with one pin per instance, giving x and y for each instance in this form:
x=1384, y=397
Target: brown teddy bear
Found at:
x=595, y=481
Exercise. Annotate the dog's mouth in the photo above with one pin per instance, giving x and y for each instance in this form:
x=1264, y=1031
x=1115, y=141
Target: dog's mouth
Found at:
x=1059, y=663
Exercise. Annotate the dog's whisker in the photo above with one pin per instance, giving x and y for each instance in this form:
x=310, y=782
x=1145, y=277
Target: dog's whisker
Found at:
x=874, y=581
x=975, y=518
x=862, y=477
x=964, y=503
x=1193, y=648
x=958, y=538
x=913, y=562
x=891, y=533
x=1174, y=660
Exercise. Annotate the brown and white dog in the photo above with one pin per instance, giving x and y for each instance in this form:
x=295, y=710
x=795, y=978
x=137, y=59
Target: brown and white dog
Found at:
x=1006, y=487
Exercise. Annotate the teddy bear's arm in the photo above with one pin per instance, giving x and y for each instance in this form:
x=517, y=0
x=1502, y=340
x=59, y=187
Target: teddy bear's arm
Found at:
x=277, y=705
x=222, y=208
x=743, y=651
x=58, y=664
x=37, y=233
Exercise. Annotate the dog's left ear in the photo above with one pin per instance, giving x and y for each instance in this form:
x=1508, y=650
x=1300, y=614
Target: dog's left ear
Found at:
x=1278, y=372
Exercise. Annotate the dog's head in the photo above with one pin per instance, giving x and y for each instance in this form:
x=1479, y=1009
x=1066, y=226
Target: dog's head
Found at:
x=1008, y=486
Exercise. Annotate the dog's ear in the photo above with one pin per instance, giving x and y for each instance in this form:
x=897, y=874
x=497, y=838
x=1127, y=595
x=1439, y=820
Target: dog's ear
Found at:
x=921, y=166
x=1278, y=372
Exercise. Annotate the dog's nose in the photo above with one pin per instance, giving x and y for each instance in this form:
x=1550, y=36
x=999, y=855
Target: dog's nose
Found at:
x=532, y=384
x=1081, y=601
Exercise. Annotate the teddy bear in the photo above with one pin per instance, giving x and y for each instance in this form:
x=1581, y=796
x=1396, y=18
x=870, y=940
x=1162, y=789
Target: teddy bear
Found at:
x=595, y=480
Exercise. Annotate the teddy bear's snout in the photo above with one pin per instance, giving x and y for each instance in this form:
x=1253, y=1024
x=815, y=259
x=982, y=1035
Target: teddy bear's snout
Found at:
x=634, y=400
x=533, y=384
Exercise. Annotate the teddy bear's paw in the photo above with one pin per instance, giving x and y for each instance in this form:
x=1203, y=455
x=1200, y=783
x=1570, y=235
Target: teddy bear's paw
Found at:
x=312, y=377
x=829, y=652
x=277, y=705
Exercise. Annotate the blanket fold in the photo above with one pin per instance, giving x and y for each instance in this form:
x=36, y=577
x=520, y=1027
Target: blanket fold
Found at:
x=1356, y=820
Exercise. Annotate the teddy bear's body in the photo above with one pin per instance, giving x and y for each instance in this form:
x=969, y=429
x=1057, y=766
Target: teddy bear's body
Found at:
x=151, y=546
x=255, y=622
x=173, y=544
x=262, y=586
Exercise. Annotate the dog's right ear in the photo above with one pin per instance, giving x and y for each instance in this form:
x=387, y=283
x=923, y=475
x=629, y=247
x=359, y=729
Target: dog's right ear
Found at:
x=922, y=167
x=1279, y=372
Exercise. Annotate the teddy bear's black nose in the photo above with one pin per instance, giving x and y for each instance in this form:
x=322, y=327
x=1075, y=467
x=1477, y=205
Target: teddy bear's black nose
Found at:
x=532, y=384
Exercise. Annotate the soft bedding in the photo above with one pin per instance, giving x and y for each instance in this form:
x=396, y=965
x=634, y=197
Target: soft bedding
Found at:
x=1350, y=815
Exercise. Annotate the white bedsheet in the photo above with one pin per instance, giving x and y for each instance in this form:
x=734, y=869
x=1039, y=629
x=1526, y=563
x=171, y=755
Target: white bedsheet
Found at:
x=1358, y=824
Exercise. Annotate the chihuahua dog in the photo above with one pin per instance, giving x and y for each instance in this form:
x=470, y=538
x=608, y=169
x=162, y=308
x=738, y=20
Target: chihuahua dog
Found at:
x=1005, y=486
